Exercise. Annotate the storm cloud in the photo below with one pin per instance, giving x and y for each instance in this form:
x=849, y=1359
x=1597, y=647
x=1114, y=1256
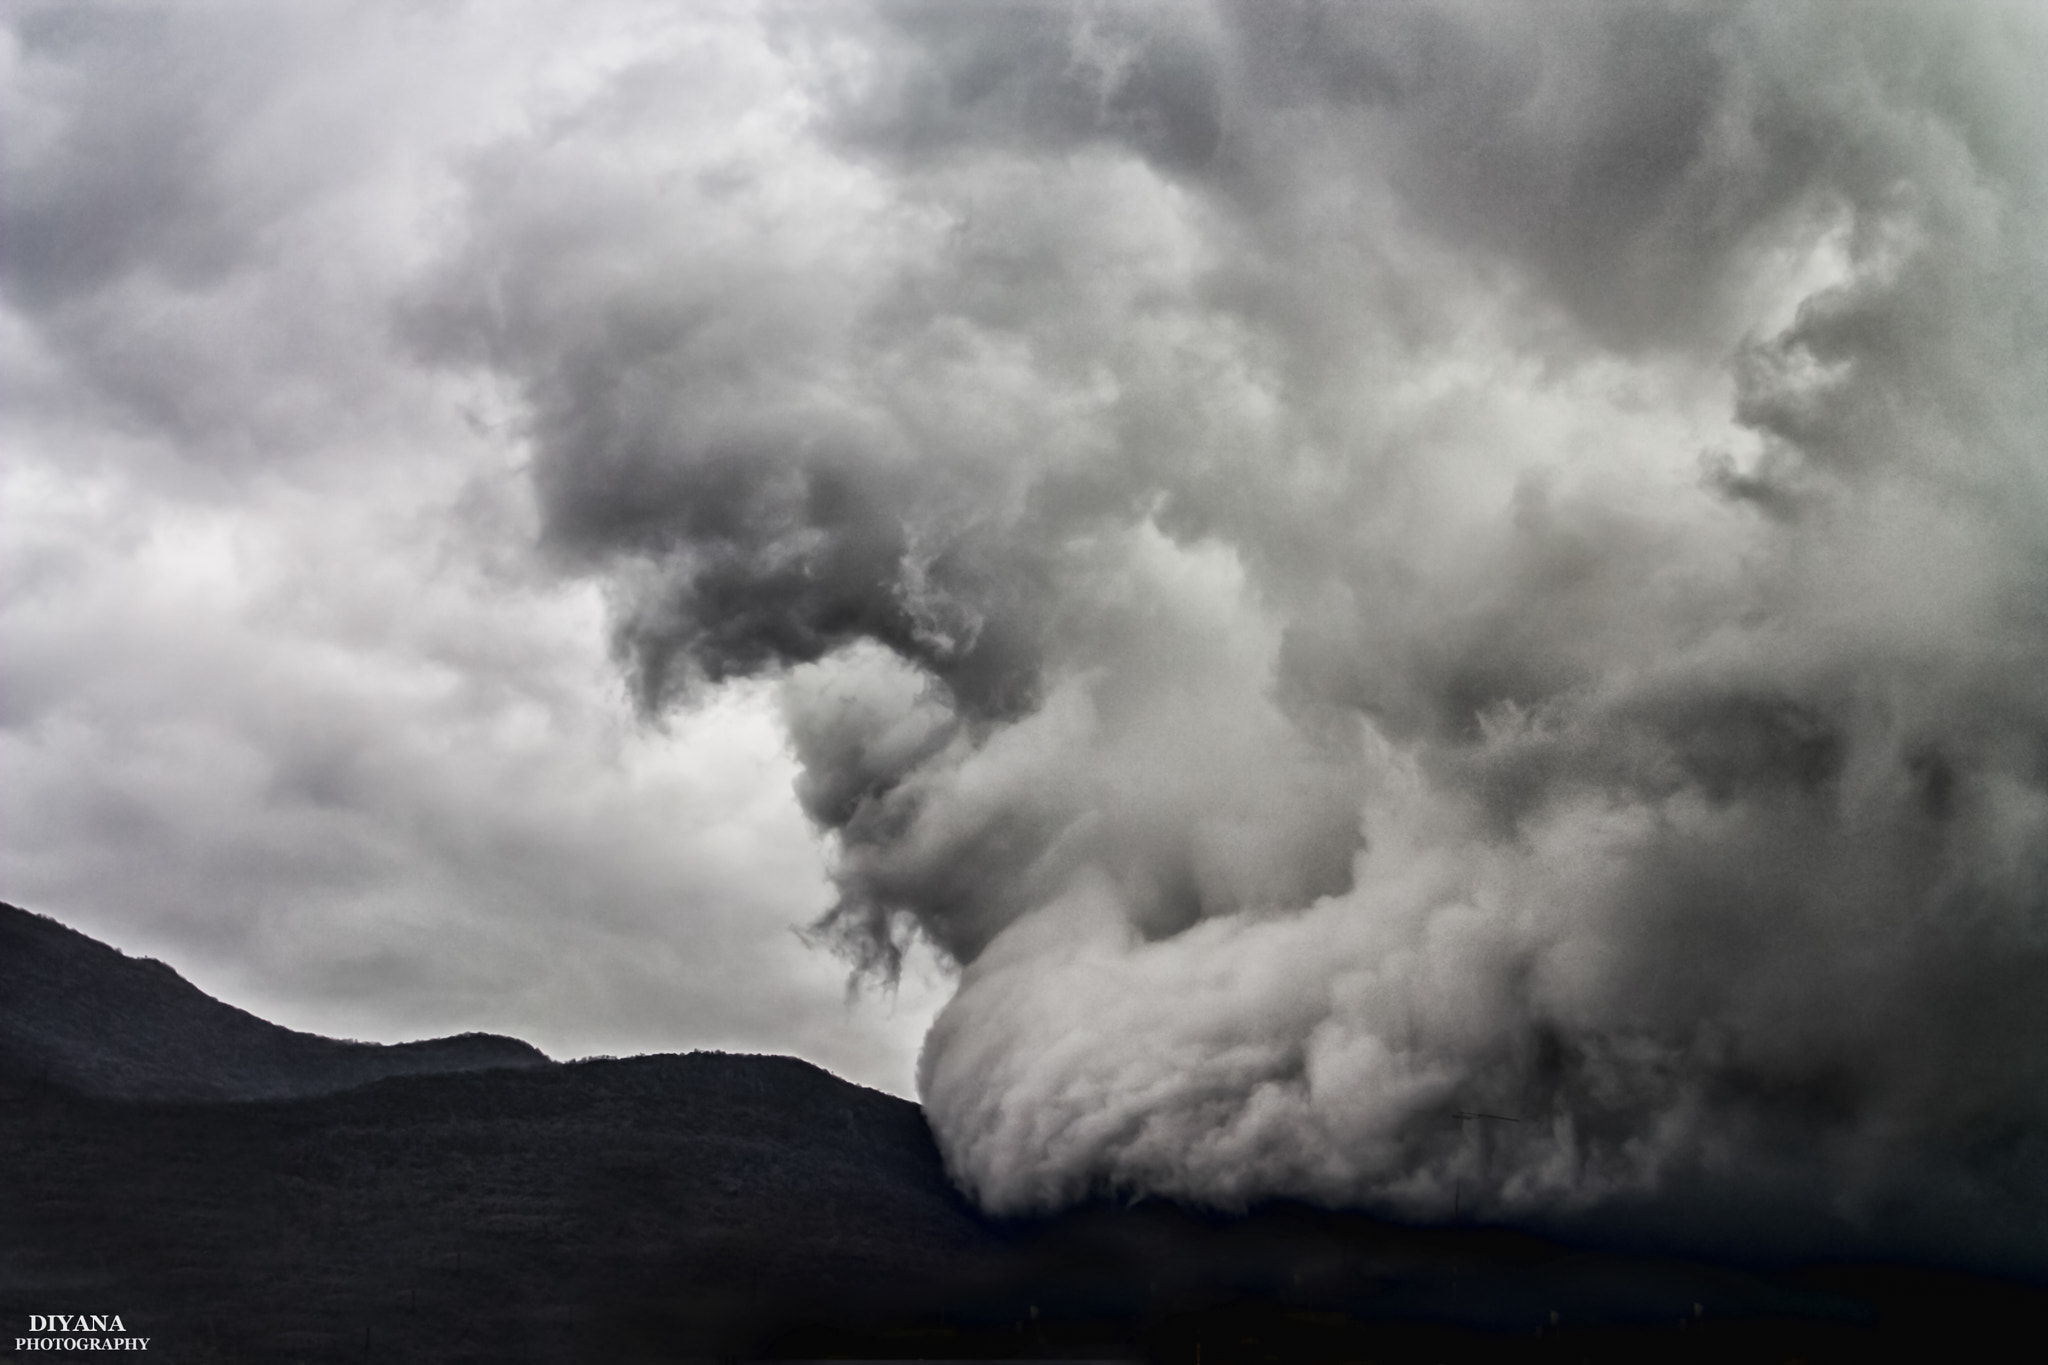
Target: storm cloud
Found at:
x=1347, y=566
x=1352, y=565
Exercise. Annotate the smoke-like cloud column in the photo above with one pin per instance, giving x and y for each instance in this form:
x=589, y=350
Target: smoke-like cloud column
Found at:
x=1354, y=564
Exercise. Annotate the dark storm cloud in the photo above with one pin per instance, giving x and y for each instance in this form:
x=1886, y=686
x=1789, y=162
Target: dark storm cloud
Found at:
x=1351, y=562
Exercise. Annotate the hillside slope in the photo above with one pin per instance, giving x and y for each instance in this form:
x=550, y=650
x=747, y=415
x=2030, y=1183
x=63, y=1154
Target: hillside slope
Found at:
x=603, y=1210
x=88, y=1017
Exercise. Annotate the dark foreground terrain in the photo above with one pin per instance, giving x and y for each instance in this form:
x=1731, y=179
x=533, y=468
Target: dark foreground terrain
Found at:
x=711, y=1206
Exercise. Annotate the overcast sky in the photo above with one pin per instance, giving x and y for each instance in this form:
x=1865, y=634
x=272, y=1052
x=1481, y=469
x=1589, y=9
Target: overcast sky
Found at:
x=291, y=699
x=1281, y=571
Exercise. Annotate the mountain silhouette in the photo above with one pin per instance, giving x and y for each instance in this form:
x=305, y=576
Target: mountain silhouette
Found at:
x=239, y=1192
x=96, y=1021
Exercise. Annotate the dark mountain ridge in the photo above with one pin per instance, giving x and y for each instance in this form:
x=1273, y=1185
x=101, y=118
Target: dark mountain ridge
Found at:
x=96, y=1021
x=709, y=1206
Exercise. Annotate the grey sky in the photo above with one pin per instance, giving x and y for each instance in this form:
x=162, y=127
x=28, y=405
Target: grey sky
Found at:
x=1337, y=562
x=289, y=700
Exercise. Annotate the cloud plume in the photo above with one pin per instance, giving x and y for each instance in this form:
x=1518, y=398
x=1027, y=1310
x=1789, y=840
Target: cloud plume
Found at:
x=1352, y=565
